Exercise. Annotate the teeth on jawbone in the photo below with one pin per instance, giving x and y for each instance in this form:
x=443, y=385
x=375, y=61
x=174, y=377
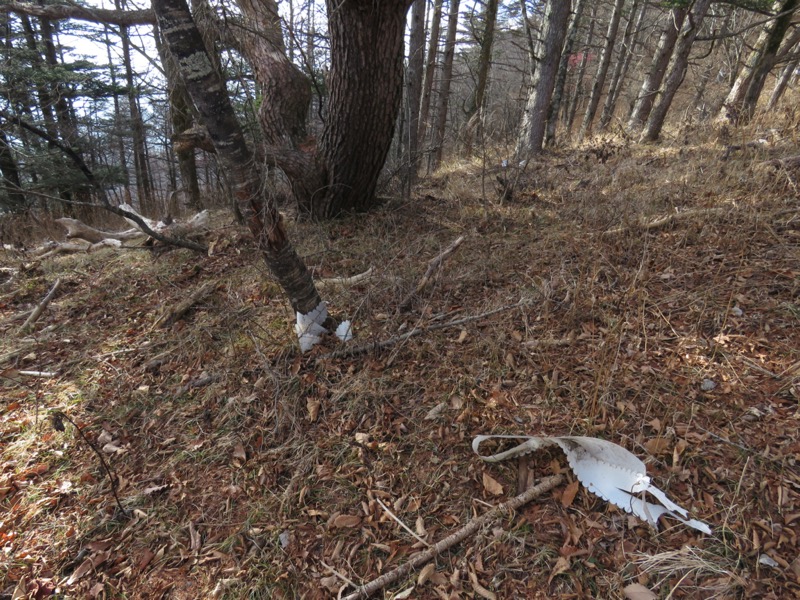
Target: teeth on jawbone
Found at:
x=607, y=470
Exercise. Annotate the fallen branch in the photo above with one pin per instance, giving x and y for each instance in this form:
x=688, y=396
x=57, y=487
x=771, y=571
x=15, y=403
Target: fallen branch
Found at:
x=37, y=312
x=660, y=222
x=421, y=558
x=169, y=315
x=80, y=230
x=433, y=266
x=345, y=280
x=371, y=346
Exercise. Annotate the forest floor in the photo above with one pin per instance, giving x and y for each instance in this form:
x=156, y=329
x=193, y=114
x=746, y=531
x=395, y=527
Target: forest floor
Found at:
x=651, y=298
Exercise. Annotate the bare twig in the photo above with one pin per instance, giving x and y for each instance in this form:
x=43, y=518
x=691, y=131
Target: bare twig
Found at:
x=372, y=346
x=346, y=280
x=666, y=220
x=37, y=312
x=399, y=522
x=172, y=314
x=474, y=525
x=433, y=266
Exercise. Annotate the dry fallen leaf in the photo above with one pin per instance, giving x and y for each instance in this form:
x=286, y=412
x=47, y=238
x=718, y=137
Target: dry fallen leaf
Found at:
x=491, y=485
x=568, y=497
x=562, y=566
x=479, y=589
x=636, y=591
x=425, y=573
x=239, y=453
x=346, y=521
x=312, y=405
x=656, y=446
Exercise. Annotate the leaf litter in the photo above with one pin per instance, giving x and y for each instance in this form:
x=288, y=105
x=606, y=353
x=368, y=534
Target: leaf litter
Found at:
x=247, y=469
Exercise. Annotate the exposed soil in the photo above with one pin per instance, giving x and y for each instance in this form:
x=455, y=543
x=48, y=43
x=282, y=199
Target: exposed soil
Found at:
x=247, y=470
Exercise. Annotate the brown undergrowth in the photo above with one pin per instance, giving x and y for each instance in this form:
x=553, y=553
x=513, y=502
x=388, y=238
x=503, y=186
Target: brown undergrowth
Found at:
x=249, y=471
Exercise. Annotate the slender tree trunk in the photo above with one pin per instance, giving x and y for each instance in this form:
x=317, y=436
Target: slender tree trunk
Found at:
x=416, y=64
x=561, y=78
x=528, y=36
x=444, y=85
x=12, y=186
x=677, y=70
x=430, y=68
x=475, y=107
x=768, y=57
x=533, y=124
x=602, y=70
x=627, y=50
x=577, y=93
x=144, y=190
x=652, y=82
x=782, y=83
x=210, y=97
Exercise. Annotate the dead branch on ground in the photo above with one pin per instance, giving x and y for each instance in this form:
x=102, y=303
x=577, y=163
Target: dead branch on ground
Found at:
x=80, y=230
x=344, y=281
x=171, y=314
x=660, y=222
x=433, y=266
x=474, y=525
x=37, y=312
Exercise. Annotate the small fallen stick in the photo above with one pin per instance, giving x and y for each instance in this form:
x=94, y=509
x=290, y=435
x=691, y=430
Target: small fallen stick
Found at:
x=345, y=280
x=433, y=266
x=547, y=484
x=37, y=312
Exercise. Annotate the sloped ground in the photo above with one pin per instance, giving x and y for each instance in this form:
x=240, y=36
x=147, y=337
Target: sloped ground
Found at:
x=249, y=471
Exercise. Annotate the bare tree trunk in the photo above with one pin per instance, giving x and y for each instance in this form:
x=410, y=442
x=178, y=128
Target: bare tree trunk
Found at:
x=533, y=123
x=782, y=83
x=769, y=57
x=626, y=52
x=210, y=97
x=416, y=64
x=430, y=68
x=652, y=82
x=677, y=70
x=528, y=36
x=143, y=189
x=444, y=85
x=475, y=107
x=14, y=196
x=561, y=78
x=602, y=70
x=577, y=93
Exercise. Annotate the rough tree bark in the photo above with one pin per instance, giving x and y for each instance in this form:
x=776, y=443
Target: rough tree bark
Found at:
x=210, y=97
x=475, y=107
x=561, y=78
x=629, y=39
x=416, y=65
x=533, y=122
x=577, y=92
x=677, y=70
x=602, y=70
x=444, y=86
x=430, y=68
x=652, y=82
x=782, y=83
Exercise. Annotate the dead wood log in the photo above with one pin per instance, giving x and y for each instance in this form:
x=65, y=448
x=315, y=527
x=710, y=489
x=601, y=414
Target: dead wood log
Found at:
x=470, y=528
x=345, y=280
x=171, y=314
x=660, y=222
x=78, y=229
x=37, y=312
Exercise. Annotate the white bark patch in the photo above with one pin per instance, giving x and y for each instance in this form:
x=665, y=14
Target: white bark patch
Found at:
x=196, y=66
x=309, y=327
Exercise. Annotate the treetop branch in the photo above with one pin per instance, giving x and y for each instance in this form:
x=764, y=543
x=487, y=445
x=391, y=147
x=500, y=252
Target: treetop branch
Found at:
x=82, y=13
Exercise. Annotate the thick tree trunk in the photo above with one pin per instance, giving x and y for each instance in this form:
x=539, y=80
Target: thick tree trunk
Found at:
x=533, y=123
x=444, y=86
x=602, y=70
x=626, y=52
x=677, y=70
x=210, y=97
x=430, y=68
x=561, y=78
x=475, y=107
x=658, y=67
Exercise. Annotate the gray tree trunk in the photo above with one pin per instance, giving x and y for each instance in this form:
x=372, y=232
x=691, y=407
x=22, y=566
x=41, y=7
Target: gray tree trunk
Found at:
x=444, y=86
x=210, y=97
x=602, y=70
x=677, y=70
x=430, y=68
x=416, y=64
x=658, y=67
x=531, y=136
x=475, y=107
x=561, y=78
x=577, y=92
x=782, y=83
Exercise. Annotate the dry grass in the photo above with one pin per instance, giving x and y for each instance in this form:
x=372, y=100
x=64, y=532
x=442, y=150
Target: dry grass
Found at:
x=253, y=472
